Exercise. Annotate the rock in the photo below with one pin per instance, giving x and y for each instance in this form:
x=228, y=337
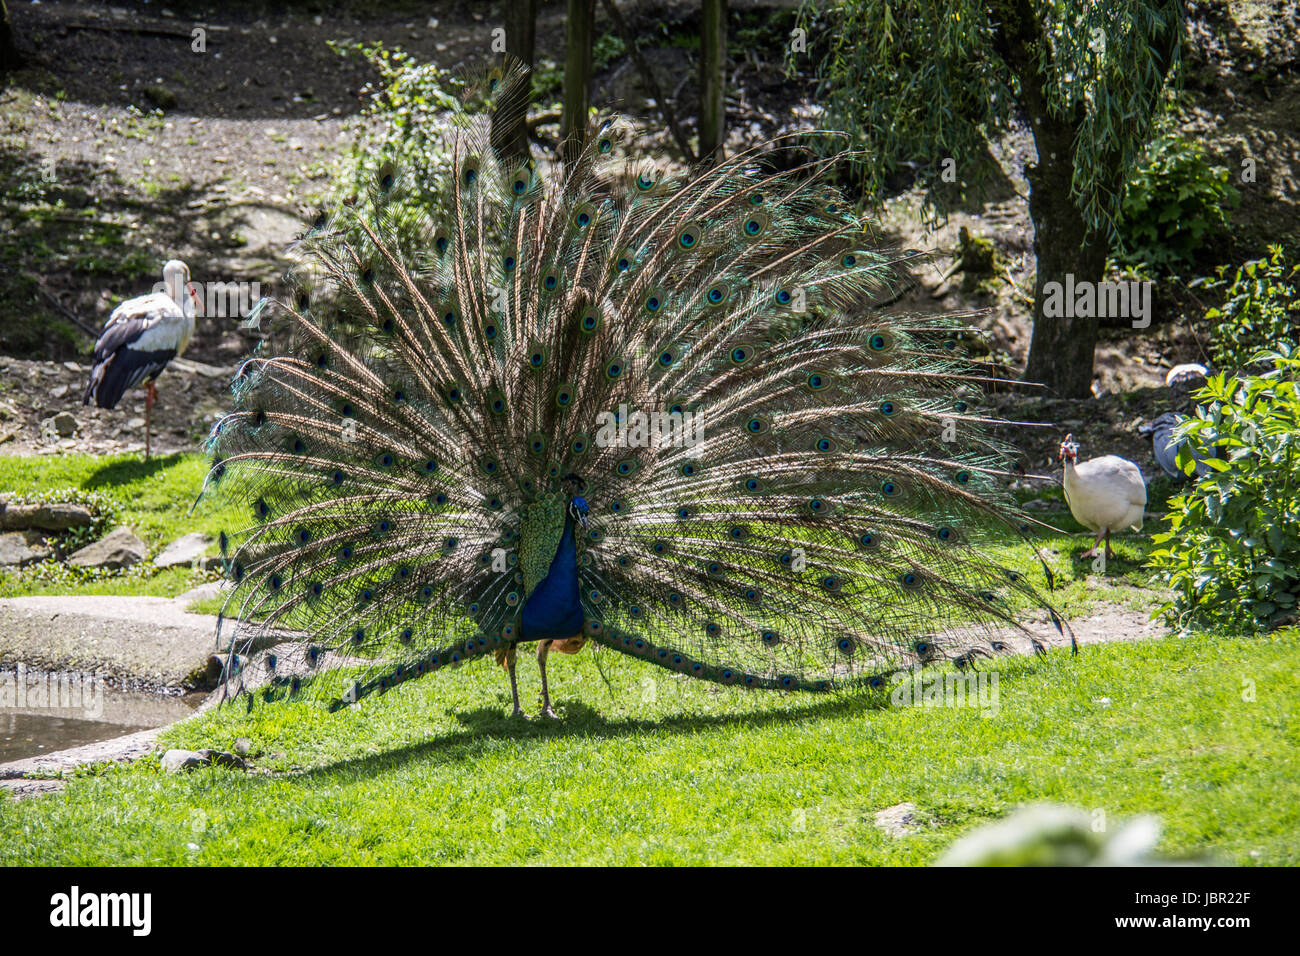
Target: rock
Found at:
x=59, y=391
x=160, y=97
x=242, y=746
x=118, y=549
x=54, y=516
x=21, y=548
x=215, y=669
x=187, y=549
x=204, y=592
x=898, y=820
x=174, y=761
x=63, y=424
x=1042, y=504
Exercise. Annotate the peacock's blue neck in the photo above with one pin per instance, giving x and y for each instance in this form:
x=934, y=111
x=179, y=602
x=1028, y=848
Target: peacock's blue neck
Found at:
x=554, y=610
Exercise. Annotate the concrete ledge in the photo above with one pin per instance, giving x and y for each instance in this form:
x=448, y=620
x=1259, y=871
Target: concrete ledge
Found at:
x=148, y=641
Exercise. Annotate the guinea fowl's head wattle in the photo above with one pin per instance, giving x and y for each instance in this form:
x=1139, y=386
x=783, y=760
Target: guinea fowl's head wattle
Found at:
x=1069, y=451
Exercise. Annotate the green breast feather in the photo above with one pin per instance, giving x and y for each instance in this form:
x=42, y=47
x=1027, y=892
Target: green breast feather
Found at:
x=540, y=530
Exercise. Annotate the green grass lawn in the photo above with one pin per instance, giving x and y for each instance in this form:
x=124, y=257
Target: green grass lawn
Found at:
x=152, y=498
x=649, y=767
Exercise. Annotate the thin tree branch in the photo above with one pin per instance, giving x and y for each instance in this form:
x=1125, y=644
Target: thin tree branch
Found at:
x=670, y=119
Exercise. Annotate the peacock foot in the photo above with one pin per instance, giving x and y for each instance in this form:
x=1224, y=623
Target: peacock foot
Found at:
x=519, y=712
x=549, y=711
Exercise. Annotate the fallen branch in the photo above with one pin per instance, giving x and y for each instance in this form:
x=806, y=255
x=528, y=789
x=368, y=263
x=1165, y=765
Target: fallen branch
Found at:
x=66, y=312
x=544, y=118
x=140, y=31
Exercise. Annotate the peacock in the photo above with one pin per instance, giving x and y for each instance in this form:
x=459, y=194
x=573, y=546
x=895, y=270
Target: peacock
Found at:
x=607, y=403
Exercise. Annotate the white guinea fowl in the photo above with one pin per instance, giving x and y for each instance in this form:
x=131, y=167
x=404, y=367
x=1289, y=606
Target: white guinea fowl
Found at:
x=1104, y=494
x=1164, y=446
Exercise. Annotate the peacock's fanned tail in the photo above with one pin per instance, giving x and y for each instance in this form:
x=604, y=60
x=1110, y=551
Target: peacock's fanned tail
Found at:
x=787, y=487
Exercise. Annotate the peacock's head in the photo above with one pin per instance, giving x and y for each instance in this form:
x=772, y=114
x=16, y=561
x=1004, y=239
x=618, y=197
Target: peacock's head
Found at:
x=574, y=486
x=1069, y=449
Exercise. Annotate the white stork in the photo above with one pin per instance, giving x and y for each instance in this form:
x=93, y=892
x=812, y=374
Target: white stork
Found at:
x=141, y=336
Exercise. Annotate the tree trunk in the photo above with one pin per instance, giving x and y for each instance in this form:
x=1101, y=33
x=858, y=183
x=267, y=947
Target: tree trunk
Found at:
x=10, y=59
x=713, y=79
x=577, y=77
x=1061, y=349
x=521, y=35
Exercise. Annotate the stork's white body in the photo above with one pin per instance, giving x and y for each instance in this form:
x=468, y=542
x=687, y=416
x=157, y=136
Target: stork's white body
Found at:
x=164, y=323
x=139, y=339
x=1106, y=494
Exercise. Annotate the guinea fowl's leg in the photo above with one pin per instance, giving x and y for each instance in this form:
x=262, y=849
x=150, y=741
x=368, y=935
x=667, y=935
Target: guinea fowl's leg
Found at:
x=544, y=648
x=514, y=684
x=1092, y=552
x=150, y=396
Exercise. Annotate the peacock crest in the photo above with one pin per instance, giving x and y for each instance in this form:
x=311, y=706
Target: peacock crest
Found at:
x=458, y=442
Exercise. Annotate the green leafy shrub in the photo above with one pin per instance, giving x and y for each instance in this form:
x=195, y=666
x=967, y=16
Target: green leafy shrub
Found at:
x=1174, y=200
x=1232, y=551
x=1261, y=309
x=403, y=125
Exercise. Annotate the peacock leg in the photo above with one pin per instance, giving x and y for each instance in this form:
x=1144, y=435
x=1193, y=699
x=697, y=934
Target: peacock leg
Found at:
x=544, y=648
x=514, y=684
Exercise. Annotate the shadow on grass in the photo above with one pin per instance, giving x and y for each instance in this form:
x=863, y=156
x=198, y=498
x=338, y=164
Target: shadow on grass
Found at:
x=126, y=470
x=484, y=724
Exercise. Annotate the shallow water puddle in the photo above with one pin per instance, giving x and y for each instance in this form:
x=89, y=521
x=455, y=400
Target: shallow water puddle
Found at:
x=42, y=713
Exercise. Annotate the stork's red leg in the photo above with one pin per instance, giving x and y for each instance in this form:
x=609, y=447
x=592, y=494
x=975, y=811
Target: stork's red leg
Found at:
x=150, y=396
